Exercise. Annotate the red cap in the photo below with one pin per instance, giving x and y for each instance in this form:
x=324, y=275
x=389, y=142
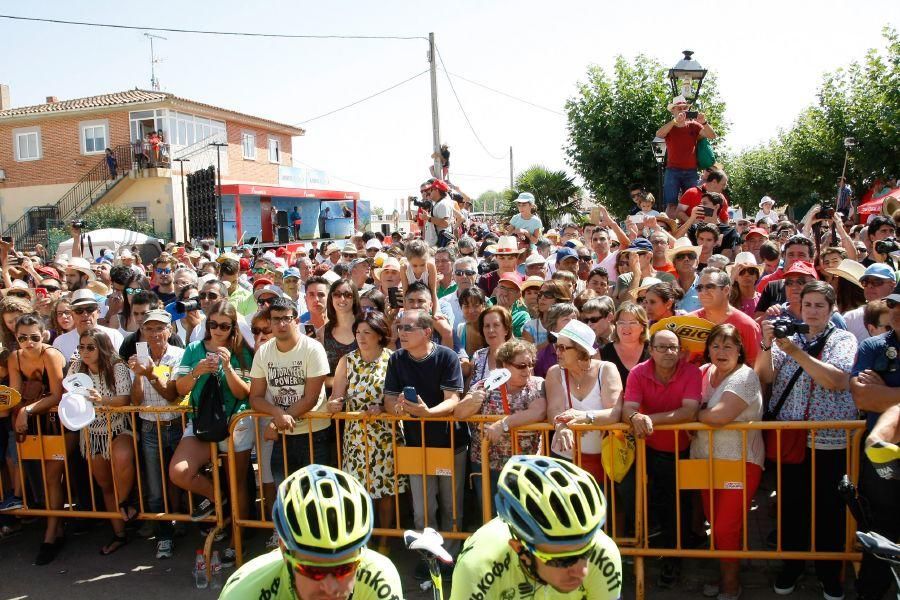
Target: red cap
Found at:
x=758, y=231
x=261, y=282
x=48, y=272
x=802, y=268
x=513, y=277
x=438, y=184
x=281, y=251
x=245, y=264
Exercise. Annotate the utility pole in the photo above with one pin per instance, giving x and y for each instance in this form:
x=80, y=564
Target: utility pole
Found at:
x=511, y=169
x=220, y=216
x=184, y=202
x=154, y=82
x=435, y=118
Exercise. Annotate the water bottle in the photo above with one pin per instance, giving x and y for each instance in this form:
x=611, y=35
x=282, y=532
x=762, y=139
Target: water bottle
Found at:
x=200, y=579
x=215, y=566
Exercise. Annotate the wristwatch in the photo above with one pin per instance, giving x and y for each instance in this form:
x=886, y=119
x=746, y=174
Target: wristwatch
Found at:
x=764, y=347
x=28, y=410
x=590, y=416
x=505, y=426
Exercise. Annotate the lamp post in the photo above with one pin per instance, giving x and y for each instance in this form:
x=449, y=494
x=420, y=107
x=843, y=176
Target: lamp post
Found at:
x=219, y=212
x=658, y=147
x=184, y=205
x=686, y=77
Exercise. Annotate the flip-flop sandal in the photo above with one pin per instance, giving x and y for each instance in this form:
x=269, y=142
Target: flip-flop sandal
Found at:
x=114, y=545
x=128, y=511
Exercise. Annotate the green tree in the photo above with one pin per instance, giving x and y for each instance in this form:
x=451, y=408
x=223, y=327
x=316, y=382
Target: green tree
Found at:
x=488, y=201
x=803, y=163
x=555, y=192
x=378, y=212
x=612, y=120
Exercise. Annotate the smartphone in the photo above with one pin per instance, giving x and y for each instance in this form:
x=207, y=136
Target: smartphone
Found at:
x=392, y=297
x=708, y=211
x=409, y=394
x=40, y=292
x=310, y=329
x=143, y=351
x=638, y=218
x=595, y=215
x=691, y=114
x=213, y=357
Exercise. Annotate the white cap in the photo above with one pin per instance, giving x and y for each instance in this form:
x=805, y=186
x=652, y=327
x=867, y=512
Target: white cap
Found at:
x=373, y=243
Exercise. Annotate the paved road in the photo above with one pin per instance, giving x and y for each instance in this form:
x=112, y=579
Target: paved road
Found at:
x=133, y=573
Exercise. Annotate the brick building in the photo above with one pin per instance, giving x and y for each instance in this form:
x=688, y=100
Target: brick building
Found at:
x=53, y=167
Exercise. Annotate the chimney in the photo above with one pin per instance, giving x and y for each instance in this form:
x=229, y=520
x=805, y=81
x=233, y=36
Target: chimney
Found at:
x=52, y=99
x=4, y=97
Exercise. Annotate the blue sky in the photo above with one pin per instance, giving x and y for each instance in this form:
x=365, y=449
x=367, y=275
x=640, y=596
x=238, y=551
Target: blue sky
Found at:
x=769, y=57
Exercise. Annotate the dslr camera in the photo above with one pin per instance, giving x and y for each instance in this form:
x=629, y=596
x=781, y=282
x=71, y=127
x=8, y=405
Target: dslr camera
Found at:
x=187, y=306
x=425, y=204
x=785, y=326
x=78, y=224
x=826, y=212
x=886, y=246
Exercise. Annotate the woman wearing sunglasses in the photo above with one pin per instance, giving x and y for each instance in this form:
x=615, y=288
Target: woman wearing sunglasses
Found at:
x=323, y=519
x=108, y=441
x=36, y=370
x=522, y=402
x=548, y=538
x=535, y=330
x=342, y=309
x=222, y=352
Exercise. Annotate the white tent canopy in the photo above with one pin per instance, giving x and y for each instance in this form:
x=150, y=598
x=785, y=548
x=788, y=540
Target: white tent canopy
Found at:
x=115, y=240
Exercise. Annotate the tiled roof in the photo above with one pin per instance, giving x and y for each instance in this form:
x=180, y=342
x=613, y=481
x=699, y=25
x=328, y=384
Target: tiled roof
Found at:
x=135, y=96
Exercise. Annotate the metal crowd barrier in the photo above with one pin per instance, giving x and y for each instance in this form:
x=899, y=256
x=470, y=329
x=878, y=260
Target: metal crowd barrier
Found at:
x=49, y=448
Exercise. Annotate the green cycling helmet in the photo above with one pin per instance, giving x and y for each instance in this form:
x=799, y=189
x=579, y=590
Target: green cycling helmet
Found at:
x=549, y=501
x=323, y=512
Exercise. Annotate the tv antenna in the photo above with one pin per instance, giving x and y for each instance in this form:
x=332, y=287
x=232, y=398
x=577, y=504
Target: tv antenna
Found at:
x=154, y=82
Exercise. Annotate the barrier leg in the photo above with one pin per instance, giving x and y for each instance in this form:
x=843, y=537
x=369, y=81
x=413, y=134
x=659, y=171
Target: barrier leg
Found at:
x=639, y=577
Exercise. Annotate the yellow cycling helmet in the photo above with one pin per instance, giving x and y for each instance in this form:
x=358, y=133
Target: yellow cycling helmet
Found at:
x=323, y=512
x=549, y=501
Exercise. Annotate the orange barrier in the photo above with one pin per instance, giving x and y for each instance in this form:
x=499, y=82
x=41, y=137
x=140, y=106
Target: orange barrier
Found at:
x=50, y=449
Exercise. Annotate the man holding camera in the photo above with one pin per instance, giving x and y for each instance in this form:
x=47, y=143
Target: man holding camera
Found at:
x=439, y=222
x=880, y=229
x=681, y=134
x=707, y=211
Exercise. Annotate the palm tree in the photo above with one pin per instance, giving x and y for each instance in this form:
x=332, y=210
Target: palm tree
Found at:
x=555, y=193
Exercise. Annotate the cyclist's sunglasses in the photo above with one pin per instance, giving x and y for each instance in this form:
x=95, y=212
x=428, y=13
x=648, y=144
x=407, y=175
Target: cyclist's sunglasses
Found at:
x=318, y=572
x=563, y=560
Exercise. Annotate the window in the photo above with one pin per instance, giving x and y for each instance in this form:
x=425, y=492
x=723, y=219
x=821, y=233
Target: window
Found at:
x=140, y=213
x=274, y=151
x=248, y=141
x=28, y=144
x=93, y=137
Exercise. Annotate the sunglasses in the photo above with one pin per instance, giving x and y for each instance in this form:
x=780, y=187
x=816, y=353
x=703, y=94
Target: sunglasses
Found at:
x=466, y=272
x=257, y=331
x=260, y=270
x=584, y=258
x=344, y=295
x=84, y=310
x=264, y=301
x=407, y=328
x=590, y=320
x=318, y=573
x=874, y=282
x=282, y=320
x=561, y=348
x=522, y=366
x=564, y=560
x=23, y=295
x=708, y=287
x=86, y=347
x=223, y=326
x=163, y=271
x=34, y=337
x=686, y=255
x=549, y=295
x=133, y=291
x=207, y=295
x=51, y=289
x=640, y=299
x=743, y=272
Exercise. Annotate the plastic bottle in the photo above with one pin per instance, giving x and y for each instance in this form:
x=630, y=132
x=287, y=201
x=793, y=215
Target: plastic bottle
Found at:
x=201, y=581
x=216, y=571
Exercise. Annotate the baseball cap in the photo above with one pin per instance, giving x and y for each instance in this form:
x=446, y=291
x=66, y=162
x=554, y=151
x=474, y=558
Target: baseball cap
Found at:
x=535, y=259
x=525, y=197
x=228, y=256
x=244, y=264
x=158, y=315
x=881, y=271
x=291, y=272
x=758, y=231
x=640, y=244
x=373, y=244
x=802, y=267
x=564, y=253
x=262, y=281
x=512, y=277
x=268, y=289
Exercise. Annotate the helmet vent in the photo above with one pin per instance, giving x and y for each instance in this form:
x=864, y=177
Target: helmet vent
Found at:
x=588, y=494
x=342, y=481
x=512, y=482
x=304, y=486
x=578, y=508
x=534, y=479
x=559, y=478
x=331, y=520
x=291, y=514
x=312, y=520
x=558, y=509
x=536, y=513
x=349, y=514
x=327, y=489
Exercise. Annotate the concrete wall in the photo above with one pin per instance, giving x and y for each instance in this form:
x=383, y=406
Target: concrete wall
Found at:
x=14, y=201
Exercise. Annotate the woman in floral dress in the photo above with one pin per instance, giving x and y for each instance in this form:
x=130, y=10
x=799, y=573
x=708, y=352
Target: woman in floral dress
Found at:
x=368, y=448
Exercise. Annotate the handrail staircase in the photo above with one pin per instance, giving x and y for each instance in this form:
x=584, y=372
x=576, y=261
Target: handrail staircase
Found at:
x=31, y=228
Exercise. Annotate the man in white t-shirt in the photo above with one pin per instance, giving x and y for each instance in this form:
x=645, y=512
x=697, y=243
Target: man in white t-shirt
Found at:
x=525, y=223
x=441, y=217
x=87, y=310
x=292, y=367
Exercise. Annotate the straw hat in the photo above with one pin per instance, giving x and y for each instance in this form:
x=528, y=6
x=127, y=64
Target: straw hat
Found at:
x=743, y=260
x=508, y=244
x=682, y=246
x=850, y=270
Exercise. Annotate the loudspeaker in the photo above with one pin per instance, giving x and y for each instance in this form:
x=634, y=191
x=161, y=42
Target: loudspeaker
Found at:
x=281, y=218
x=385, y=228
x=284, y=235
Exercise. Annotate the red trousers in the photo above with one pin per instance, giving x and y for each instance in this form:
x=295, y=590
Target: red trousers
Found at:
x=729, y=508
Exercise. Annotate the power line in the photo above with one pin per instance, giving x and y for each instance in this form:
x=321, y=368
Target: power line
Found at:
x=208, y=32
x=459, y=103
x=371, y=187
x=361, y=100
x=516, y=98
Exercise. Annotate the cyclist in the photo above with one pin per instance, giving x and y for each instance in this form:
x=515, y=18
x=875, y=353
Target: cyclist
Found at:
x=547, y=541
x=323, y=518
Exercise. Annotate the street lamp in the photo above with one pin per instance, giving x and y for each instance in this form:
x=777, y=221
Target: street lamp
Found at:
x=686, y=77
x=658, y=147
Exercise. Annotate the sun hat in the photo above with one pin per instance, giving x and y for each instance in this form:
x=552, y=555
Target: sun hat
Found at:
x=744, y=259
x=81, y=265
x=646, y=283
x=850, y=270
x=75, y=411
x=581, y=334
x=18, y=284
x=82, y=297
x=533, y=281
x=99, y=288
x=331, y=249
x=330, y=277
x=682, y=246
x=373, y=244
x=508, y=244
x=552, y=233
x=801, y=267
x=125, y=253
x=535, y=259
x=766, y=200
x=677, y=101
x=158, y=315
x=525, y=197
